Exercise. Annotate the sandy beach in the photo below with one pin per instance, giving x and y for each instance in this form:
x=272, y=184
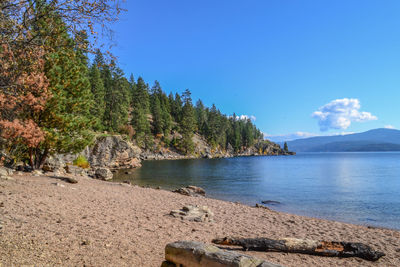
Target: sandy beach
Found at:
x=97, y=223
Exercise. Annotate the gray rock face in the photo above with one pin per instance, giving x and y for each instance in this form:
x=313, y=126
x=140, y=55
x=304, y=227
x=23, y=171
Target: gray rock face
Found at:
x=113, y=152
x=58, y=162
x=194, y=213
x=103, y=174
x=106, y=152
x=191, y=190
x=196, y=254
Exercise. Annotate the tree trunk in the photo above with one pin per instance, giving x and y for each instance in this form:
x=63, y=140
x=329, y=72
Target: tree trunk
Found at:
x=40, y=158
x=31, y=158
x=43, y=157
x=304, y=246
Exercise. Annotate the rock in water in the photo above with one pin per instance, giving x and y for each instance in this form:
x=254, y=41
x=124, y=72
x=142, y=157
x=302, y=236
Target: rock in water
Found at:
x=191, y=190
x=196, y=254
x=270, y=202
x=194, y=213
x=103, y=174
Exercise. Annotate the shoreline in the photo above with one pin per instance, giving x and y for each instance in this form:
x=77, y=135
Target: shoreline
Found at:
x=49, y=222
x=262, y=206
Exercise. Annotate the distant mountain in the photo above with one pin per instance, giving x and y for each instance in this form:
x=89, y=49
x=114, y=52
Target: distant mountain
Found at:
x=373, y=140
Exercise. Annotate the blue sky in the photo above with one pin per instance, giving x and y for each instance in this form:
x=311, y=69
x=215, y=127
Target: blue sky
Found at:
x=315, y=67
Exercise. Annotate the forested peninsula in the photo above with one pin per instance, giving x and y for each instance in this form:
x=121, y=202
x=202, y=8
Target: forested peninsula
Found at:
x=54, y=100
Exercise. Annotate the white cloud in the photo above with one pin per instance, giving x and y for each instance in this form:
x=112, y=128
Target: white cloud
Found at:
x=389, y=127
x=340, y=113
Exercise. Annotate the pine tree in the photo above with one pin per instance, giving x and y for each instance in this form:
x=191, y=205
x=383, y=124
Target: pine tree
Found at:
x=97, y=88
x=132, y=84
x=285, y=147
x=166, y=115
x=158, y=124
x=188, y=123
x=201, y=117
x=116, y=100
x=176, y=108
x=66, y=118
x=140, y=109
x=235, y=138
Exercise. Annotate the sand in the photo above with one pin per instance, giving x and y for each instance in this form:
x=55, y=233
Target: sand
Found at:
x=96, y=223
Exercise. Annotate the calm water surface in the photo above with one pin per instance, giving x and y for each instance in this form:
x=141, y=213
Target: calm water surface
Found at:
x=361, y=188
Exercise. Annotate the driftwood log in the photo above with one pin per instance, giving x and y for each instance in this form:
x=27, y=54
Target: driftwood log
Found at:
x=304, y=246
x=197, y=254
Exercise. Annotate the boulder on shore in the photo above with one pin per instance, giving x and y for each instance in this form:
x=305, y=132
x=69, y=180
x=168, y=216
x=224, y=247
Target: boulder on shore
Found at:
x=194, y=213
x=197, y=254
x=103, y=174
x=191, y=190
x=75, y=170
x=5, y=173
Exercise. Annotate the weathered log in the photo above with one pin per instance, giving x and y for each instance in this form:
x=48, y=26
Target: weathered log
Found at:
x=304, y=246
x=196, y=254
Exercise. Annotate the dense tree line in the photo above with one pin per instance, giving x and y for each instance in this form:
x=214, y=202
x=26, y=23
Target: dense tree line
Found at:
x=154, y=115
x=52, y=100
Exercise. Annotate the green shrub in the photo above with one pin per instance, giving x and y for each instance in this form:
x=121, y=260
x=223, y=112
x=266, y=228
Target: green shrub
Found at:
x=82, y=162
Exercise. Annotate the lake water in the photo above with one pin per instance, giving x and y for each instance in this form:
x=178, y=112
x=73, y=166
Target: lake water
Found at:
x=361, y=188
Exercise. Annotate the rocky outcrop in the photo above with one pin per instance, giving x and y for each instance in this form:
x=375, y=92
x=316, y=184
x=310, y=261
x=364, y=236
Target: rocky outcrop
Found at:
x=191, y=190
x=196, y=254
x=113, y=152
x=194, y=213
x=264, y=147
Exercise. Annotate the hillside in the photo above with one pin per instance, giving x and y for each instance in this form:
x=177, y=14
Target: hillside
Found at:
x=373, y=140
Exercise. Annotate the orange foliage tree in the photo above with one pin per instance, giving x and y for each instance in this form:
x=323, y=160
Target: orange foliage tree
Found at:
x=23, y=96
x=24, y=48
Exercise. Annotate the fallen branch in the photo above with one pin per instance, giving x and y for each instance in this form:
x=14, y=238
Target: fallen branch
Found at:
x=304, y=246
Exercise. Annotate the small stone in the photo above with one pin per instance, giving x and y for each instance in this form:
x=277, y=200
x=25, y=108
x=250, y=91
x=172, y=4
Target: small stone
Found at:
x=85, y=243
x=37, y=173
x=69, y=180
x=58, y=184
